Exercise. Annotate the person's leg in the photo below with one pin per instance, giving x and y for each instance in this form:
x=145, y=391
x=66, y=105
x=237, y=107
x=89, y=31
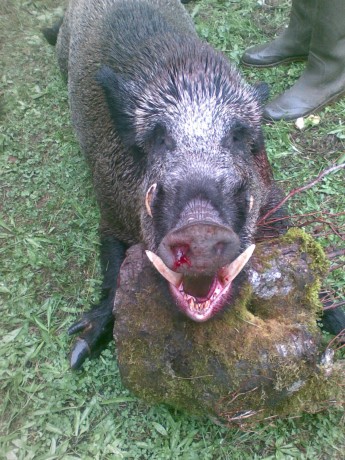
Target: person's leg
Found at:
x=323, y=80
x=291, y=45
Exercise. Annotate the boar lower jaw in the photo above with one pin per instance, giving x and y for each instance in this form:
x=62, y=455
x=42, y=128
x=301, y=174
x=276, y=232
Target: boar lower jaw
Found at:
x=201, y=310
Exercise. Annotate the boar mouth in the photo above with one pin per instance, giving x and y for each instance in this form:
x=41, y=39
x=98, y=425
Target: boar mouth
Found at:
x=201, y=297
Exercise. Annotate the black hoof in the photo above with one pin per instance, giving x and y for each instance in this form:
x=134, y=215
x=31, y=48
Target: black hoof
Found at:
x=96, y=330
x=79, y=353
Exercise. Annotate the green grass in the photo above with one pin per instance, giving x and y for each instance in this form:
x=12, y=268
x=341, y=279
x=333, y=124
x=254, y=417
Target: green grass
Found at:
x=49, y=269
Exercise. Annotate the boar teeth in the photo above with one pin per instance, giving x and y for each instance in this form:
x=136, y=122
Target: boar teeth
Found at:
x=173, y=277
x=148, y=198
x=230, y=272
x=197, y=307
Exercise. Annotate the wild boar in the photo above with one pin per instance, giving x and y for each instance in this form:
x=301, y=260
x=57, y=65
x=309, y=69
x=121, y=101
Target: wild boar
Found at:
x=173, y=138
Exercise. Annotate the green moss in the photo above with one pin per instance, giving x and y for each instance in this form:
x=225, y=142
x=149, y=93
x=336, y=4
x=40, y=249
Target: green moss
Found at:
x=239, y=312
x=318, y=392
x=319, y=262
x=302, y=303
x=307, y=393
x=266, y=257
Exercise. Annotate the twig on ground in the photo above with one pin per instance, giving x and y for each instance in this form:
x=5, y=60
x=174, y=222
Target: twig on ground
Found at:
x=335, y=305
x=336, y=253
x=305, y=187
x=337, y=343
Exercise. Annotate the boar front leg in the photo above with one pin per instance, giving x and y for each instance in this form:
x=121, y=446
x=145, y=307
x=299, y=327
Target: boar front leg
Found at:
x=96, y=326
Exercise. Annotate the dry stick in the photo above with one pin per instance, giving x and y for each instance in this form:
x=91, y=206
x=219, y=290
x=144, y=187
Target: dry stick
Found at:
x=335, y=305
x=309, y=214
x=336, y=340
x=298, y=222
x=335, y=267
x=301, y=189
x=337, y=253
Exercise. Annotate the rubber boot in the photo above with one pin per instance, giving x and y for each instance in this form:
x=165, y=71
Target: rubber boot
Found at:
x=291, y=45
x=323, y=80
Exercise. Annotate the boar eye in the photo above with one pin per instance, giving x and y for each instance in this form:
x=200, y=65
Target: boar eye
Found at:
x=240, y=133
x=237, y=137
x=159, y=140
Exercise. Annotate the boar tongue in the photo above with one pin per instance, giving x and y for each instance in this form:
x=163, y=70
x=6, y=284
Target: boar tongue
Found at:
x=200, y=287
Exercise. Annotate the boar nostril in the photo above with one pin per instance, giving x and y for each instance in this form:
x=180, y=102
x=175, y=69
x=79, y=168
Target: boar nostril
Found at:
x=219, y=248
x=180, y=253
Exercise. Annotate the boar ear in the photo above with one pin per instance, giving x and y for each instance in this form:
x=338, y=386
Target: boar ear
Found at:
x=258, y=146
x=118, y=93
x=263, y=91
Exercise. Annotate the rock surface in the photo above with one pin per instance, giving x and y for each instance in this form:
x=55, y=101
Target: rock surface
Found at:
x=260, y=358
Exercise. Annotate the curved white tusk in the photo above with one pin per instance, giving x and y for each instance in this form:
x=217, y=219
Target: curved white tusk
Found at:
x=148, y=198
x=251, y=202
x=173, y=277
x=230, y=272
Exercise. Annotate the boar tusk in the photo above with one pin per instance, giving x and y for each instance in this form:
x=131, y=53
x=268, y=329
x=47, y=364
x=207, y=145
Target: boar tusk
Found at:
x=251, y=202
x=148, y=198
x=173, y=277
x=230, y=272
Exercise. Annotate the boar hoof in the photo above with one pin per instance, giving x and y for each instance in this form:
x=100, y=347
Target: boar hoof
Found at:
x=96, y=327
x=79, y=353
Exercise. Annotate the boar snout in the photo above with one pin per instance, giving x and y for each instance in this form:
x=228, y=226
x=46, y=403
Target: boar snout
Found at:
x=199, y=248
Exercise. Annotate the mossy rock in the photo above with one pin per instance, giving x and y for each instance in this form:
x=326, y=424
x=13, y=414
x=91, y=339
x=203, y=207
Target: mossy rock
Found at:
x=262, y=357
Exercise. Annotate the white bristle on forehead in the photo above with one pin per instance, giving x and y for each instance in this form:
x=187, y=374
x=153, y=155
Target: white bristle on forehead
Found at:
x=200, y=99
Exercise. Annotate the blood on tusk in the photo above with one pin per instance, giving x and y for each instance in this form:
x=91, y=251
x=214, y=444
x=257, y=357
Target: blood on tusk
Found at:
x=173, y=277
